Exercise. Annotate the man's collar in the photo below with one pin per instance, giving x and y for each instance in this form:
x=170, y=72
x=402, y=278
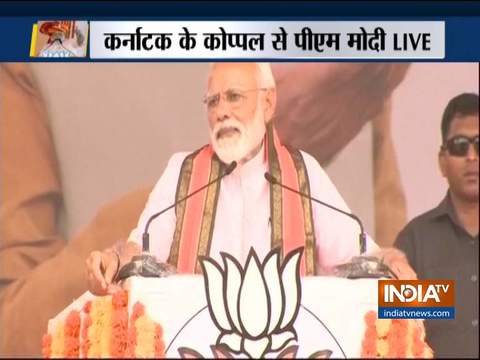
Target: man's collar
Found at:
x=446, y=208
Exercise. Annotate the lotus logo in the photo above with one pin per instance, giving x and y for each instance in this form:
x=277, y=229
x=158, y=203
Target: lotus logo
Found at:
x=254, y=308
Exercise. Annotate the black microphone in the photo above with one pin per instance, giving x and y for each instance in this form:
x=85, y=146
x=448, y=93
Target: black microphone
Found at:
x=360, y=266
x=362, y=237
x=146, y=237
x=145, y=264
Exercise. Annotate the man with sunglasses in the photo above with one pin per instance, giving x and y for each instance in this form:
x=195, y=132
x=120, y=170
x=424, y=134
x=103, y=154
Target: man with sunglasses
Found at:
x=443, y=243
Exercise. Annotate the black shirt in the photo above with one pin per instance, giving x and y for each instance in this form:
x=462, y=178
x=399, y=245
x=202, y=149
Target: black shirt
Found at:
x=438, y=247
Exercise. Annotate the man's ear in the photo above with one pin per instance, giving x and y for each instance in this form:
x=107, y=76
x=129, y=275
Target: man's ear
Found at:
x=270, y=104
x=442, y=162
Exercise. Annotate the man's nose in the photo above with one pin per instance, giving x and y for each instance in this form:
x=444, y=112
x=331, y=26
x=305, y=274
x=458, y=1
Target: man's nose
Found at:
x=472, y=153
x=222, y=110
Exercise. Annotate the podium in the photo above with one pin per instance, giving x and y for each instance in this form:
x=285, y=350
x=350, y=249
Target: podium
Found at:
x=263, y=309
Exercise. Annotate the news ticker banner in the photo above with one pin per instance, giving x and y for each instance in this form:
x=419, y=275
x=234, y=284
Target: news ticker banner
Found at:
x=450, y=39
x=416, y=299
x=267, y=39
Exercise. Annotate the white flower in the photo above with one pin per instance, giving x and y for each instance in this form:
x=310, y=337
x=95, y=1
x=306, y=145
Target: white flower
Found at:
x=254, y=308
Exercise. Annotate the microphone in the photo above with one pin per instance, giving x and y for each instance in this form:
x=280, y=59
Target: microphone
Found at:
x=361, y=266
x=362, y=238
x=146, y=235
x=145, y=264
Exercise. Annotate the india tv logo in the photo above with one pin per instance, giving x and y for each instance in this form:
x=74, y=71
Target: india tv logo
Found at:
x=416, y=299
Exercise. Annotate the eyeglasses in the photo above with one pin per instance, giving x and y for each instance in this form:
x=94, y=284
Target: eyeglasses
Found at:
x=459, y=145
x=234, y=97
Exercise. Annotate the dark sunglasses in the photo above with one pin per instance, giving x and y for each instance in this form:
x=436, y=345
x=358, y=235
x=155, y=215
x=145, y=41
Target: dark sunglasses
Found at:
x=458, y=145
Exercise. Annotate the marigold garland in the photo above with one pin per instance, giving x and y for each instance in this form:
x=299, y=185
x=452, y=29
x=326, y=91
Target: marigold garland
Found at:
x=72, y=334
x=395, y=338
x=47, y=346
x=103, y=328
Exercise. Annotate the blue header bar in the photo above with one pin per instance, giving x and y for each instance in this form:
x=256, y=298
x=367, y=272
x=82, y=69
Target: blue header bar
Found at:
x=462, y=20
x=237, y=9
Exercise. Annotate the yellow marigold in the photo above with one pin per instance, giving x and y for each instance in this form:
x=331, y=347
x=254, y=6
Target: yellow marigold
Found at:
x=382, y=348
x=383, y=326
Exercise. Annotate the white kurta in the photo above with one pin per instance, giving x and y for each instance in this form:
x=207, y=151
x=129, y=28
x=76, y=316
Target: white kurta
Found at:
x=243, y=214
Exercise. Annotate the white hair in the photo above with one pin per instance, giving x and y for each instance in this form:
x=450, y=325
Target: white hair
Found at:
x=265, y=77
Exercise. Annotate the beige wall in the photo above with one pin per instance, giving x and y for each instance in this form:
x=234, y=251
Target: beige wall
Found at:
x=116, y=125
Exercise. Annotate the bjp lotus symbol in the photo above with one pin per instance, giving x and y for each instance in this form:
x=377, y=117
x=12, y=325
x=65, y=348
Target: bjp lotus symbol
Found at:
x=254, y=308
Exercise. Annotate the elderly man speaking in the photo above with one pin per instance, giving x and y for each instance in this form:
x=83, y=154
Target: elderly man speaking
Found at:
x=243, y=210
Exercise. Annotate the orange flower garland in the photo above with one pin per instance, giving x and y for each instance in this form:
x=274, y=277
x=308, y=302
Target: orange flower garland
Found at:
x=72, y=336
x=158, y=341
x=369, y=344
x=137, y=311
x=118, y=340
x=394, y=338
x=87, y=321
x=72, y=333
x=47, y=346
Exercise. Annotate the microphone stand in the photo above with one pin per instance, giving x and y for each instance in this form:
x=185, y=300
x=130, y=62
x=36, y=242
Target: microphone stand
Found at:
x=364, y=267
x=359, y=267
x=146, y=264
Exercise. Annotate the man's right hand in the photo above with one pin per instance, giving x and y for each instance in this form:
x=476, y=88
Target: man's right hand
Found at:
x=102, y=266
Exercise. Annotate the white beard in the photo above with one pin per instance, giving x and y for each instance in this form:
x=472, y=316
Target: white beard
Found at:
x=240, y=140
